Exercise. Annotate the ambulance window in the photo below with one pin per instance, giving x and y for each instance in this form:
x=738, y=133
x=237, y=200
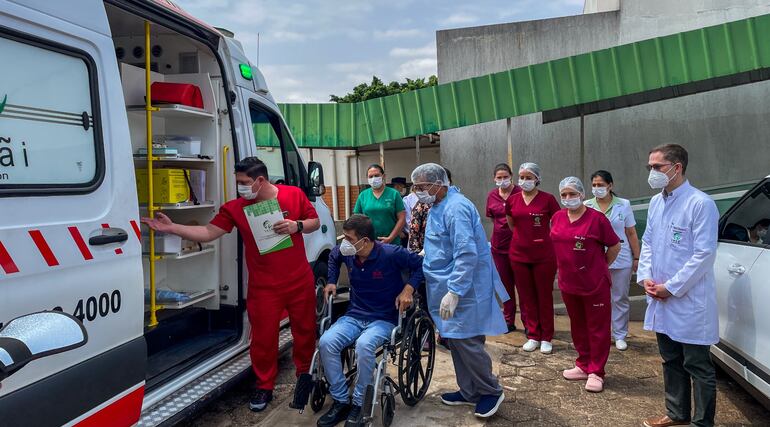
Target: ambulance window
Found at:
x=50, y=139
x=273, y=142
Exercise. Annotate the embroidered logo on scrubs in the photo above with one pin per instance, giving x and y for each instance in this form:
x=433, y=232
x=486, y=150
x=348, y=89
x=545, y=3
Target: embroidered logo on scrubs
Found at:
x=579, y=245
x=537, y=220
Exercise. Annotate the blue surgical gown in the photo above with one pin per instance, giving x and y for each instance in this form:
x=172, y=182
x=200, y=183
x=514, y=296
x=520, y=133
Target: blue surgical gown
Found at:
x=458, y=259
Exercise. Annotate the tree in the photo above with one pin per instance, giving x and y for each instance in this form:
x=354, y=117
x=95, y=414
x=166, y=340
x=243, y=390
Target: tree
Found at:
x=377, y=89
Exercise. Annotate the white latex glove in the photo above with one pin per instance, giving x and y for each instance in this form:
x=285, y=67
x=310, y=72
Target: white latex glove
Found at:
x=448, y=305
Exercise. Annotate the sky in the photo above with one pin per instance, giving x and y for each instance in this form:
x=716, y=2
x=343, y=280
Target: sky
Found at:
x=309, y=49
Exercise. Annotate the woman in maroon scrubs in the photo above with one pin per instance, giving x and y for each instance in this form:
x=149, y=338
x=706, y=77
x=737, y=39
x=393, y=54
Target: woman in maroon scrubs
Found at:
x=501, y=235
x=580, y=236
x=531, y=254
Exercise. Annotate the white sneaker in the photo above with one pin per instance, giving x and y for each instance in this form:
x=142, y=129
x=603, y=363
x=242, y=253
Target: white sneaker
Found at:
x=621, y=345
x=531, y=345
x=546, y=347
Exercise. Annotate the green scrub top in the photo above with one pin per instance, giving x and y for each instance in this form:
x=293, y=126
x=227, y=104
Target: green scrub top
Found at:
x=383, y=211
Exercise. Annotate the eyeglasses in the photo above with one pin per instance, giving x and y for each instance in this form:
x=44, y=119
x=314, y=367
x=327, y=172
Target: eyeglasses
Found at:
x=423, y=186
x=658, y=166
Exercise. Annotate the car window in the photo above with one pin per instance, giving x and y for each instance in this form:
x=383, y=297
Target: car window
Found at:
x=267, y=136
x=48, y=138
x=748, y=222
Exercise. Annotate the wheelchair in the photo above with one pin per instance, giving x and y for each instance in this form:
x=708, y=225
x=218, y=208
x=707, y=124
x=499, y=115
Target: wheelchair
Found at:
x=412, y=349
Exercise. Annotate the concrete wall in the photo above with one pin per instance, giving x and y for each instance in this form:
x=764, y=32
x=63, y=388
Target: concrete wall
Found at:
x=724, y=131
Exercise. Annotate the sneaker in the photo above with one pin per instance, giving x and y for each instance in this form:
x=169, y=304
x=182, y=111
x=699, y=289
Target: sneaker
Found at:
x=621, y=345
x=575, y=374
x=335, y=415
x=488, y=405
x=595, y=383
x=455, y=399
x=261, y=398
x=531, y=345
x=546, y=347
x=354, y=417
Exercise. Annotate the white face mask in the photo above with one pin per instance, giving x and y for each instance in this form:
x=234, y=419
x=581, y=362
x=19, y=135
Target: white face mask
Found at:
x=245, y=191
x=375, y=182
x=572, y=203
x=762, y=233
x=348, y=249
x=527, y=184
x=658, y=179
x=600, y=192
x=503, y=183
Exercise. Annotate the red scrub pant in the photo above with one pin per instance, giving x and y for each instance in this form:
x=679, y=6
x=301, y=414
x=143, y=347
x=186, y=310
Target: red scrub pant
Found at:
x=590, y=318
x=266, y=307
x=534, y=281
x=505, y=271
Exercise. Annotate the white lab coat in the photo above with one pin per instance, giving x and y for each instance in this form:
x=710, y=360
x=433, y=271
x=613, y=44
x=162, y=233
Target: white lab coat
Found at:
x=678, y=249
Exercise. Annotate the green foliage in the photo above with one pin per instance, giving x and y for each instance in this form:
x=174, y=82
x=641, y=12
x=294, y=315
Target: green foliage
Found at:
x=377, y=89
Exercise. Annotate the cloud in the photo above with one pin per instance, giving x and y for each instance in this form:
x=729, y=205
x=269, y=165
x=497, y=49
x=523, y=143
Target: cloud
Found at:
x=417, y=68
x=460, y=18
x=410, y=52
x=398, y=34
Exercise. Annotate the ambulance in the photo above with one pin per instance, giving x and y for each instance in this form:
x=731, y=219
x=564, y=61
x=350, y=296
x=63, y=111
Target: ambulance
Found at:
x=94, y=329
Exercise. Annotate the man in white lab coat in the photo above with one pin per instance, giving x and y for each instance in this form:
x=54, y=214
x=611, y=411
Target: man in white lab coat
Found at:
x=676, y=268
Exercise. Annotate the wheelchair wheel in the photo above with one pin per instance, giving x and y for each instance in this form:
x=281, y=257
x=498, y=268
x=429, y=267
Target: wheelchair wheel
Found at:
x=416, y=358
x=318, y=397
x=388, y=405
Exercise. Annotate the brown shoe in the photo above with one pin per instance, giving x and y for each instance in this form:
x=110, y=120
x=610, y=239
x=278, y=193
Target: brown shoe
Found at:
x=663, y=421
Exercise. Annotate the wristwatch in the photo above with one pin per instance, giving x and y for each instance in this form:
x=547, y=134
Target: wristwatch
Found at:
x=300, y=226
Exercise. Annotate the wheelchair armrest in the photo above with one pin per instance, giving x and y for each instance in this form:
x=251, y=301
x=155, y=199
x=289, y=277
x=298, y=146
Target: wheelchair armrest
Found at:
x=326, y=321
x=397, y=330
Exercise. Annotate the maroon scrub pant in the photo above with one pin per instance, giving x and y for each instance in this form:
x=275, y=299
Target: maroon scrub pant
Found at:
x=505, y=271
x=590, y=318
x=534, y=281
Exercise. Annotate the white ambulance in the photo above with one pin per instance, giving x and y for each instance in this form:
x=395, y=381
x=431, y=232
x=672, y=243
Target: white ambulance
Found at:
x=73, y=127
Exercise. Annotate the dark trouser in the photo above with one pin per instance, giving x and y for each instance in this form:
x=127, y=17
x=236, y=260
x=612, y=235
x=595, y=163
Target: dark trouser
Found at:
x=681, y=363
x=473, y=368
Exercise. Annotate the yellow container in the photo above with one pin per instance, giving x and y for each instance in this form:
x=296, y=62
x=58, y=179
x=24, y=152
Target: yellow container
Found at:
x=169, y=186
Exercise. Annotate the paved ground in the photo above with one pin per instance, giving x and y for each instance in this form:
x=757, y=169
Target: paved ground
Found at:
x=536, y=395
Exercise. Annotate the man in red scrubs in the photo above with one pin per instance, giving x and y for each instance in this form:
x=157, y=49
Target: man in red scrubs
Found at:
x=532, y=258
x=580, y=236
x=278, y=281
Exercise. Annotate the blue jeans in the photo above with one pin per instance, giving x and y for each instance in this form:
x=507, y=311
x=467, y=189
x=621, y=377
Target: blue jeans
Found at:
x=368, y=336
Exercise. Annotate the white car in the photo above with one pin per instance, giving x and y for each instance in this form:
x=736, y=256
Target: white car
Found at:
x=742, y=271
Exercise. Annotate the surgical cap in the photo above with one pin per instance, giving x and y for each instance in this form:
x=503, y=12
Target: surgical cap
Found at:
x=531, y=167
x=430, y=172
x=572, y=182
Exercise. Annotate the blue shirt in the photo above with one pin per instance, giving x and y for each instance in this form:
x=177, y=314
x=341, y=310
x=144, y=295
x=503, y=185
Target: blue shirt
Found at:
x=375, y=283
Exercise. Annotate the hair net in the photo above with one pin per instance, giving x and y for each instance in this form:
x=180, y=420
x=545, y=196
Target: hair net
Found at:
x=572, y=182
x=531, y=167
x=430, y=172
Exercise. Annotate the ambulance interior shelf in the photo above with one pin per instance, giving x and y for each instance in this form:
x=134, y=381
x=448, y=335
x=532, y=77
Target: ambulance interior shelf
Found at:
x=189, y=274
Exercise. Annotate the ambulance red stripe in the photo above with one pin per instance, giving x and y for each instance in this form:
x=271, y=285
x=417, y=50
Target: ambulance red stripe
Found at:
x=138, y=232
x=78, y=238
x=43, y=247
x=6, y=262
x=122, y=412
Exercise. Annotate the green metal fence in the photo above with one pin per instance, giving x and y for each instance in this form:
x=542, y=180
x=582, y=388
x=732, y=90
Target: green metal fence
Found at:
x=609, y=74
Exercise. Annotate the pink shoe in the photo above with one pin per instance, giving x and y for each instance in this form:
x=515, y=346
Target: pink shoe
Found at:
x=575, y=374
x=595, y=383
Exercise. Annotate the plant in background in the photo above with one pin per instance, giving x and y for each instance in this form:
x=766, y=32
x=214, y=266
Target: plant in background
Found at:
x=377, y=89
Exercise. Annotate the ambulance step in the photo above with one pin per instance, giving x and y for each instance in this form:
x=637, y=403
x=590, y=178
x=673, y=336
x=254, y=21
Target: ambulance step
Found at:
x=194, y=396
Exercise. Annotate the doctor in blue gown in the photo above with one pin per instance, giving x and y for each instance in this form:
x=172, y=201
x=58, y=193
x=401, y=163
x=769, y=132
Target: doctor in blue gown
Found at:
x=461, y=284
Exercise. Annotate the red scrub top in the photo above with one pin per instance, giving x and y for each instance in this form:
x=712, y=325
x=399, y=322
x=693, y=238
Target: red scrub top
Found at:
x=531, y=241
x=287, y=266
x=501, y=234
x=580, y=251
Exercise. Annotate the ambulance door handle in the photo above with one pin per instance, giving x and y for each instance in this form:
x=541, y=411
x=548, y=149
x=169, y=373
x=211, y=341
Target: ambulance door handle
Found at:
x=106, y=239
x=736, y=269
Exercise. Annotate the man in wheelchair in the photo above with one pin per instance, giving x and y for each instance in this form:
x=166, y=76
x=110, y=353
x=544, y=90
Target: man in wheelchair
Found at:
x=377, y=295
